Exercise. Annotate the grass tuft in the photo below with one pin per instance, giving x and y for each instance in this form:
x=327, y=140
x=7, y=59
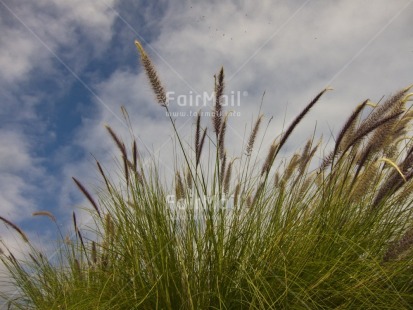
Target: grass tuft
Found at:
x=249, y=231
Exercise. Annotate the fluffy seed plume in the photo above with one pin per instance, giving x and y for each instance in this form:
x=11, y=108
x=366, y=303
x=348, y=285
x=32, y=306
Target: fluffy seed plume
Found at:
x=270, y=158
x=189, y=178
x=16, y=228
x=349, y=123
x=199, y=148
x=179, y=187
x=104, y=177
x=126, y=169
x=221, y=139
x=253, y=136
x=219, y=91
x=135, y=156
x=197, y=133
x=227, y=179
x=298, y=119
x=361, y=133
x=222, y=170
x=116, y=139
x=75, y=222
x=45, y=213
x=258, y=193
x=152, y=75
x=292, y=165
x=364, y=182
x=236, y=194
x=391, y=106
x=87, y=195
x=94, y=252
x=305, y=156
x=399, y=247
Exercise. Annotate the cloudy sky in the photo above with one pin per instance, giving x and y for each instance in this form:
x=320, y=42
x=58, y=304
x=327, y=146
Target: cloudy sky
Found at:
x=67, y=66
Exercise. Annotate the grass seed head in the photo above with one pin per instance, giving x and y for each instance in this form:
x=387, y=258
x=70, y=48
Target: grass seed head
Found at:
x=152, y=75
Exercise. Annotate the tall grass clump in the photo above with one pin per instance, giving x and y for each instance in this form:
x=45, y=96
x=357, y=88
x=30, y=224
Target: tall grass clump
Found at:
x=245, y=232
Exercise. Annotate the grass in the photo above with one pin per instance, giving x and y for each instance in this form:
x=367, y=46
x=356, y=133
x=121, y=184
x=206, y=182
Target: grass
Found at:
x=242, y=234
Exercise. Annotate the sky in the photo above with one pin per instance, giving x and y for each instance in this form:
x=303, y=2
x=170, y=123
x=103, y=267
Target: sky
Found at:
x=67, y=67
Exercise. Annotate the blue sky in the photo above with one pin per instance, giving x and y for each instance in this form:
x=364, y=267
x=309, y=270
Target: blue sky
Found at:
x=67, y=66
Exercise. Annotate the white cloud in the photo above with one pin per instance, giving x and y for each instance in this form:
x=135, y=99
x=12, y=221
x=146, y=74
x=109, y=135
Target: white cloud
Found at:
x=16, y=168
x=35, y=27
x=31, y=32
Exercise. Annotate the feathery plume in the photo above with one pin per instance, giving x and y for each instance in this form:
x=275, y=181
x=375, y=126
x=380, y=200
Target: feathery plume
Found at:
x=94, y=252
x=222, y=170
x=364, y=182
x=227, y=179
x=349, y=123
x=258, y=193
x=88, y=196
x=367, y=129
x=119, y=143
x=219, y=91
x=295, y=160
x=298, y=119
x=270, y=158
x=152, y=75
x=104, y=177
x=189, y=178
x=305, y=156
x=45, y=213
x=276, y=179
x=179, y=187
x=221, y=138
x=199, y=149
x=197, y=133
x=253, y=135
x=16, y=228
x=126, y=169
x=135, y=156
x=236, y=195
x=397, y=248
x=75, y=222
x=392, y=105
